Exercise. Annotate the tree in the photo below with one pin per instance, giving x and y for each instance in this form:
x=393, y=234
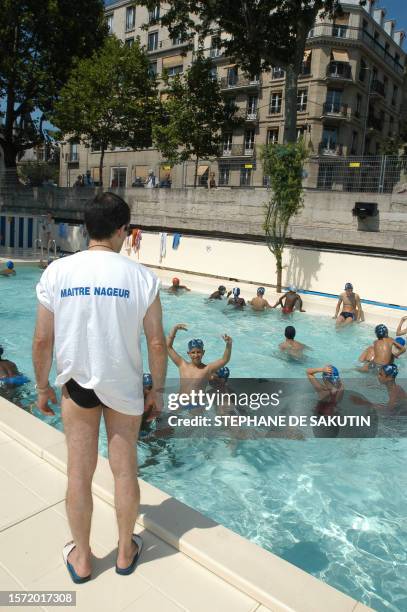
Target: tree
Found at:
x=194, y=115
x=284, y=165
x=261, y=34
x=39, y=42
x=110, y=99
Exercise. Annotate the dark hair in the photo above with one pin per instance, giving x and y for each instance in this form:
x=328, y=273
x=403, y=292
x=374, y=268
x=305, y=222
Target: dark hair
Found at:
x=105, y=214
x=290, y=332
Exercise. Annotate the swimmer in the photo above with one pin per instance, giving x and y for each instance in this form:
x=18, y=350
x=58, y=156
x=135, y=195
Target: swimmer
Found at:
x=176, y=287
x=387, y=376
x=330, y=390
x=290, y=346
x=194, y=375
x=383, y=346
x=8, y=368
x=236, y=300
x=259, y=302
x=219, y=294
x=291, y=300
x=367, y=358
x=351, y=309
x=146, y=427
x=8, y=270
x=400, y=331
x=396, y=352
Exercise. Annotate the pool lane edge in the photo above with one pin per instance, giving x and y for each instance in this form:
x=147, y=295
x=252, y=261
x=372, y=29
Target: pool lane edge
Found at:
x=263, y=576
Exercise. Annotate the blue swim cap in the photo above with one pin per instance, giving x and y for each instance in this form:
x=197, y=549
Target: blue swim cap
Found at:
x=147, y=380
x=390, y=370
x=261, y=291
x=333, y=377
x=381, y=331
x=292, y=288
x=348, y=286
x=10, y=265
x=195, y=343
x=400, y=340
x=223, y=372
x=236, y=292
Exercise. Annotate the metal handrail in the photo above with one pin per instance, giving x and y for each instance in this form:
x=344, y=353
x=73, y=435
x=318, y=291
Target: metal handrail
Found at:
x=39, y=241
x=50, y=243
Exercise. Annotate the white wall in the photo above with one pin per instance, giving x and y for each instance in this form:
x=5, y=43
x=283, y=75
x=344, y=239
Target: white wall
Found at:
x=374, y=278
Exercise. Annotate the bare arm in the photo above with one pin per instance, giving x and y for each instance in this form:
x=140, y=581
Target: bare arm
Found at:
x=185, y=287
x=338, y=306
x=157, y=357
x=311, y=377
x=219, y=363
x=174, y=356
x=360, y=317
x=300, y=301
x=400, y=331
x=399, y=347
x=279, y=302
x=42, y=350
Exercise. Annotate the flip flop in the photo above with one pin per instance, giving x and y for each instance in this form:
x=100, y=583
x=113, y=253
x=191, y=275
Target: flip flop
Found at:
x=130, y=569
x=68, y=548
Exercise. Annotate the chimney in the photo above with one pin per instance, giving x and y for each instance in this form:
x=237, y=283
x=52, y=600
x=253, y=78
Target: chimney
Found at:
x=378, y=15
x=369, y=6
x=399, y=37
x=389, y=27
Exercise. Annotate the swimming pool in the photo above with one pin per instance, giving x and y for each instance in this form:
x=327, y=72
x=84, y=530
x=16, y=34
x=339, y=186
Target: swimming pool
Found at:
x=333, y=507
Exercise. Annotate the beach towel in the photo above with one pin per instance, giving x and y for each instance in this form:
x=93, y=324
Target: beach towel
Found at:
x=176, y=241
x=163, y=245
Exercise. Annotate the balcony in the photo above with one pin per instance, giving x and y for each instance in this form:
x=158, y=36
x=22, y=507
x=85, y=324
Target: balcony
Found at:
x=377, y=88
x=335, y=110
x=330, y=148
x=166, y=45
x=339, y=71
x=343, y=32
x=237, y=150
x=247, y=114
x=305, y=70
x=236, y=82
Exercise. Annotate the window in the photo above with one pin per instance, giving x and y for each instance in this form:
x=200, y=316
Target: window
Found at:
x=363, y=70
x=215, y=50
x=227, y=144
x=358, y=105
x=387, y=48
x=173, y=70
x=130, y=18
x=152, y=43
x=249, y=142
x=376, y=37
x=397, y=59
x=374, y=74
x=245, y=176
x=394, y=95
x=110, y=23
x=364, y=25
x=302, y=97
x=275, y=102
x=213, y=73
x=339, y=30
x=118, y=178
x=277, y=73
x=300, y=132
x=177, y=40
x=154, y=14
x=129, y=42
x=354, y=144
x=232, y=76
x=252, y=103
x=73, y=152
x=224, y=175
x=329, y=139
x=272, y=136
x=152, y=68
x=333, y=101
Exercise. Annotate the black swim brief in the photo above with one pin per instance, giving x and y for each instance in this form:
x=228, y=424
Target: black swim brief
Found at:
x=85, y=398
x=346, y=315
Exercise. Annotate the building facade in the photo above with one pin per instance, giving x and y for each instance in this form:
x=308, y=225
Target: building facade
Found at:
x=350, y=96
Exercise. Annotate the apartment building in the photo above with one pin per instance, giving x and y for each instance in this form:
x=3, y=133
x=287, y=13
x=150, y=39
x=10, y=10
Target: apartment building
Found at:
x=350, y=96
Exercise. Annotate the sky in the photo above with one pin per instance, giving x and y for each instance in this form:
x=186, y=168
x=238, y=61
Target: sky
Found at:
x=395, y=9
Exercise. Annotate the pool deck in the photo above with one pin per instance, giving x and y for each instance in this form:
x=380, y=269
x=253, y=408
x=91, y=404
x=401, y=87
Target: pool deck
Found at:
x=189, y=562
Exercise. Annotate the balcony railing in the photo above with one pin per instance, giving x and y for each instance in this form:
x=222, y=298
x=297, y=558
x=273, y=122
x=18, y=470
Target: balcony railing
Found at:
x=73, y=157
x=329, y=30
x=230, y=82
x=167, y=45
x=339, y=71
x=305, y=69
x=237, y=150
x=335, y=108
x=247, y=114
x=378, y=88
x=330, y=148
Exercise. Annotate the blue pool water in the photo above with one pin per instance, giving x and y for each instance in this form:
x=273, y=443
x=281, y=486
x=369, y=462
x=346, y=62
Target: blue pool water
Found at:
x=336, y=508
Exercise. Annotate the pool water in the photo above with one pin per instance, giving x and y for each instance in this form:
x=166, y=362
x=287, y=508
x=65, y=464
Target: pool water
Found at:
x=335, y=508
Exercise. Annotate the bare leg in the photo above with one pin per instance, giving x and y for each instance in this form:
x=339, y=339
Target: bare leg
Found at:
x=122, y=433
x=81, y=426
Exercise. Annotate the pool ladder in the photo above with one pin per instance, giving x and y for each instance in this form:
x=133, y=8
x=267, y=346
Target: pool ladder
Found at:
x=49, y=246
x=38, y=244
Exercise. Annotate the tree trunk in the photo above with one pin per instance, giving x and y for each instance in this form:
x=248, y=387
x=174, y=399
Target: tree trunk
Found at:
x=102, y=156
x=290, y=106
x=196, y=170
x=279, y=269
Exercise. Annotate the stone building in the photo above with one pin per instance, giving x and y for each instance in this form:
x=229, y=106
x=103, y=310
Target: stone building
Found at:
x=350, y=96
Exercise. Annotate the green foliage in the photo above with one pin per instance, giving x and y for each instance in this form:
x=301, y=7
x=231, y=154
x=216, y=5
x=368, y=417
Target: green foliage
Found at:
x=193, y=115
x=391, y=145
x=110, y=99
x=39, y=42
x=36, y=173
x=284, y=165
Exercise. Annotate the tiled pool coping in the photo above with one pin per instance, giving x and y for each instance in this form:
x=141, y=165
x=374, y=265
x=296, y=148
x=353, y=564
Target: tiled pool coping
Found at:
x=273, y=582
